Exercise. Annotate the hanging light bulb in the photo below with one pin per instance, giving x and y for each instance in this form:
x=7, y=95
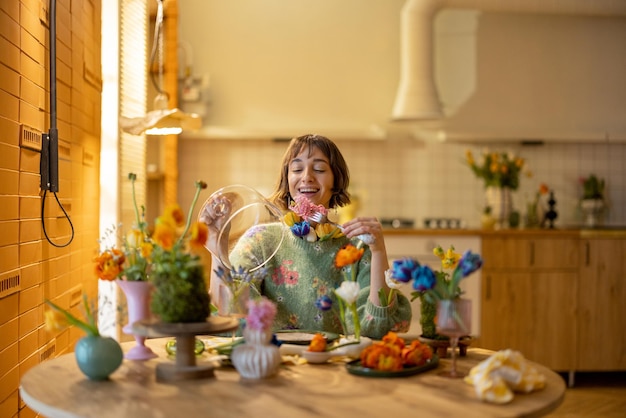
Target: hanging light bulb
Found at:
x=162, y=120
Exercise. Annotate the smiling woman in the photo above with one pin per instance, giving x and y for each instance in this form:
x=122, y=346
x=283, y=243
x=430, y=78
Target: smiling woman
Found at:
x=314, y=177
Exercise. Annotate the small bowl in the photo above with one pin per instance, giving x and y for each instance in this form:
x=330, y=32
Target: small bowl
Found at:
x=316, y=357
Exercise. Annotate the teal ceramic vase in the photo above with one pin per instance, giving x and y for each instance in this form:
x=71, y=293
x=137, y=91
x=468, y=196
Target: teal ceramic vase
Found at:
x=97, y=357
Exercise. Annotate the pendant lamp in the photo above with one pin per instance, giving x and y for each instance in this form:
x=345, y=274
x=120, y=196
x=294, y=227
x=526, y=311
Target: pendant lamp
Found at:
x=162, y=120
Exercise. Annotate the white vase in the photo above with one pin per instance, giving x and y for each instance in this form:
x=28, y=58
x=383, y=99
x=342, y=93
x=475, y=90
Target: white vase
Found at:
x=593, y=210
x=501, y=204
x=257, y=358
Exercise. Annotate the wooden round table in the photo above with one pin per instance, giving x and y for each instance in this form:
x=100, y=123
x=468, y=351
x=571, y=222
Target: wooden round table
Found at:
x=57, y=388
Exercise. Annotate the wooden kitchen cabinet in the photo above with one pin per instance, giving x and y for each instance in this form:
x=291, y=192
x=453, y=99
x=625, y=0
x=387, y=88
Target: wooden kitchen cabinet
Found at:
x=602, y=305
x=529, y=296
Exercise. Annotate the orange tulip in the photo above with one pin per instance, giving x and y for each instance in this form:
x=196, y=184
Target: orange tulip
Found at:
x=348, y=255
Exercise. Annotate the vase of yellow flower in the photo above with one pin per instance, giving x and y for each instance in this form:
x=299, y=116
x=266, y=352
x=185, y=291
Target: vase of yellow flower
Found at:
x=96, y=356
x=500, y=172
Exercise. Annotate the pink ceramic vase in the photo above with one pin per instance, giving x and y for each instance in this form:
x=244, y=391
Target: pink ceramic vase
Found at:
x=138, y=295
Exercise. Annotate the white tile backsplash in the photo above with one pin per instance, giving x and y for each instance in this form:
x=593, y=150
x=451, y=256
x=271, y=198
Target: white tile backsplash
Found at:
x=416, y=180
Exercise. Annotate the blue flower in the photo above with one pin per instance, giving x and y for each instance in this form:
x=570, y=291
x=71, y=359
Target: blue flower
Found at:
x=470, y=263
x=301, y=229
x=424, y=279
x=324, y=303
x=403, y=270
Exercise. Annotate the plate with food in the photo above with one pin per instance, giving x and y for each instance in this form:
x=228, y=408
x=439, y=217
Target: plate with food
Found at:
x=355, y=367
x=302, y=337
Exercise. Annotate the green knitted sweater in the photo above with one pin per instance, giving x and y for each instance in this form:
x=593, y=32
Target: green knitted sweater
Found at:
x=302, y=271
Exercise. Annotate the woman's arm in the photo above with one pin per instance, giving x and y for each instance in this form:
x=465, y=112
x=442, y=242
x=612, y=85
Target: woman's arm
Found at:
x=380, y=263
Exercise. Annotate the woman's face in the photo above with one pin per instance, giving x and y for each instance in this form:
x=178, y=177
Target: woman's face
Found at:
x=310, y=175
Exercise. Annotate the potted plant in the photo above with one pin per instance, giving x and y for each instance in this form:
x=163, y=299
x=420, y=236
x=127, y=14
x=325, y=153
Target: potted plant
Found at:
x=592, y=202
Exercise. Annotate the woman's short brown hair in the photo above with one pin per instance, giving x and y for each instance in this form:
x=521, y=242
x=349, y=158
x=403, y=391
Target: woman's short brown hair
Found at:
x=341, y=175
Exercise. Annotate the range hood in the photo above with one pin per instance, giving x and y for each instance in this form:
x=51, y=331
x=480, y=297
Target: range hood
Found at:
x=417, y=97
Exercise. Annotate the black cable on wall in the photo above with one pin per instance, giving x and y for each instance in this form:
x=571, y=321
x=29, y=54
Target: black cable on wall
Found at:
x=49, y=163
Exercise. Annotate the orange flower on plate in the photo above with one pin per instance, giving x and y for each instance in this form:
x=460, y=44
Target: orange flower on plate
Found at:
x=318, y=343
x=392, y=354
x=393, y=339
x=416, y=354
x=382, y=356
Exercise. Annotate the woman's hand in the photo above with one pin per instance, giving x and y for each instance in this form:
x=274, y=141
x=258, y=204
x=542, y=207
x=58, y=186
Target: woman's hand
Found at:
x=365, y=225
x=215, y=214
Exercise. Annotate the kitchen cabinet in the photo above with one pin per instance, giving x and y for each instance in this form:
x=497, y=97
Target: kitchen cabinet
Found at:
x=529, y=296
x=602, y=305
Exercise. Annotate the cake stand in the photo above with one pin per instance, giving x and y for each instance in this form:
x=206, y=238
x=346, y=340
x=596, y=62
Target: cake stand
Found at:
x=185, y=367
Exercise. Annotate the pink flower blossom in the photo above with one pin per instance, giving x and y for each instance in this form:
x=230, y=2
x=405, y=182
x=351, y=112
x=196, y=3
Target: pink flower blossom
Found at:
x=261, y=313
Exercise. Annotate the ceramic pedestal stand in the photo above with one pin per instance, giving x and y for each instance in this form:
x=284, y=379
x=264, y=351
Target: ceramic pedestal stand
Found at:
x=185, y=367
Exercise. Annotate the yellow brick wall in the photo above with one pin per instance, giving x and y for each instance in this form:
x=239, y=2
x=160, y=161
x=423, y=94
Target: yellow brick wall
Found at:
x=31, y=268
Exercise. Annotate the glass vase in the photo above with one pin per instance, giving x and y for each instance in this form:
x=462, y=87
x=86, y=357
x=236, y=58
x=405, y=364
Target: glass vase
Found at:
x=454, y=320
x=501, y=204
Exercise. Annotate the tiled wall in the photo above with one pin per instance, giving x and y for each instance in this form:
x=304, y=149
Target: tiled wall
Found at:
x=31, y=268
x=416, y=180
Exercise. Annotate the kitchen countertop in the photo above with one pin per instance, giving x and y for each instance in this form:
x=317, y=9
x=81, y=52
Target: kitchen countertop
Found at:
x=611, y=232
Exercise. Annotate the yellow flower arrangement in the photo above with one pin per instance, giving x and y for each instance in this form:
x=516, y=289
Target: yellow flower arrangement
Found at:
x=497, y=169
x=168, y=258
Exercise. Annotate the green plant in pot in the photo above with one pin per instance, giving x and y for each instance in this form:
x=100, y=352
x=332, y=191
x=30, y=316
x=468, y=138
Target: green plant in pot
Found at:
x=592, y=202
x=593, y=188
x=177, y=272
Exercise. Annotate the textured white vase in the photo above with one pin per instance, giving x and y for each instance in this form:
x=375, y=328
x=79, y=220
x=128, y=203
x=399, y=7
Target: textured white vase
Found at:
x=499, y=199
x=257, y=357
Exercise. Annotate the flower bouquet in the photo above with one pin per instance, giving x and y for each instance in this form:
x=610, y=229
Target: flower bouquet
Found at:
x=497, y=169
x=168, y=259
x=453, y=314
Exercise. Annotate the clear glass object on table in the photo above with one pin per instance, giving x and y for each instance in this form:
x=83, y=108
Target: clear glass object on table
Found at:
x=454, y=320
x=231, y=212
